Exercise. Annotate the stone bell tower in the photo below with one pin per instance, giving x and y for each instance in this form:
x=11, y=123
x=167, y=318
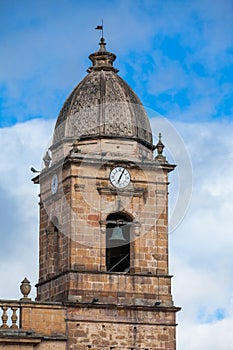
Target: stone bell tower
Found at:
x=104, y=218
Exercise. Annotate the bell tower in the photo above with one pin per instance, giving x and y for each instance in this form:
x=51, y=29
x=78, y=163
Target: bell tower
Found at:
x=104, y=218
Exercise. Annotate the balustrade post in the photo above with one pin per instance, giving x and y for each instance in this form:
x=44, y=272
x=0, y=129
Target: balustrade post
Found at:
x=14, y=317
x=4, y=317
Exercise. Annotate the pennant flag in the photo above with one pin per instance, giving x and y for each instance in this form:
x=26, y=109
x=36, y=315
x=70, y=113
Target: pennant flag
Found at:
x=99, y=27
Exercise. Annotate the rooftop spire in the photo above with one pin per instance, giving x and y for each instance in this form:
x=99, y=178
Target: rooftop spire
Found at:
x=102, y=59
x=101, y=28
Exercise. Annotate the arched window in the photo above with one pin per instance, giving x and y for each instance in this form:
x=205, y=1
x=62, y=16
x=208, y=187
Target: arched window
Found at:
x=118, y=242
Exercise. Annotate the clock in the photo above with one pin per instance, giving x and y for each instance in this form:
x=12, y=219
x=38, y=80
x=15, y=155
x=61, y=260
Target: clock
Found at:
x=119, y=177
x=54, y=184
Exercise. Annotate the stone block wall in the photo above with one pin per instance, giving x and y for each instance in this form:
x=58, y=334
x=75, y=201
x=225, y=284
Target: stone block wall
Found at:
x=120, y=328
x=84, y=200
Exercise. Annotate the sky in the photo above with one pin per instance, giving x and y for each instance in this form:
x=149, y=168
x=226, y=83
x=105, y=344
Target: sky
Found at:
x=178, y=57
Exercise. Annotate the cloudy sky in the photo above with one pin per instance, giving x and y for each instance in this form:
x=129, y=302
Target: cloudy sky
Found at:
x=178, y=58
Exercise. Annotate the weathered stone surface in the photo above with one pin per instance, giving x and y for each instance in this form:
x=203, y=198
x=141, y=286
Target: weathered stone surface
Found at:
x=103, y=105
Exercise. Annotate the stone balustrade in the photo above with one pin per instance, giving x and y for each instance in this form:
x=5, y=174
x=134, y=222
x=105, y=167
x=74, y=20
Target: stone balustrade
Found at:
x=32, y=325
x=10, y=314
x=10, y=317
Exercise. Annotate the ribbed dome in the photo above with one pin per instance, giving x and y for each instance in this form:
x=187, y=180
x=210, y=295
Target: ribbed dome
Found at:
x=103, y=105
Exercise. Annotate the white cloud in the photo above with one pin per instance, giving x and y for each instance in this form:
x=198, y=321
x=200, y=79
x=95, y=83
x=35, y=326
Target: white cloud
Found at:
x=201, y=247
x=207, y=336
x=22, y=146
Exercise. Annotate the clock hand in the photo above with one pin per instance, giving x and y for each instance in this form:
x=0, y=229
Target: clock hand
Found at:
x=121, y=175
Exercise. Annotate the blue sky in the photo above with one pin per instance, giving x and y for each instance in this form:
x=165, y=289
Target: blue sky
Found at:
x=178, y=57
x=179, y=51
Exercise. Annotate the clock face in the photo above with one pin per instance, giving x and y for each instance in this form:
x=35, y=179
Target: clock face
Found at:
x=54, y=184
x=119, y=177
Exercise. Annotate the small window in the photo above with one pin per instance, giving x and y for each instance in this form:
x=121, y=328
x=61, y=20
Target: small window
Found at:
x=118, y=242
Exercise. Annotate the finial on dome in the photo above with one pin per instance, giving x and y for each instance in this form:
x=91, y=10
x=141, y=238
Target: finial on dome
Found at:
x=102, y=59
x=102, y=45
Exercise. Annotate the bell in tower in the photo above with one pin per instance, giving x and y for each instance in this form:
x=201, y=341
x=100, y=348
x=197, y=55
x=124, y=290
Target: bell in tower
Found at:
x=117, y=235
x=105, y=255
x=118, y=243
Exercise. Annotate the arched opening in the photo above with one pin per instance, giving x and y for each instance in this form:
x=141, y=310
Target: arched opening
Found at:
x=53, y=246
x=118, y=242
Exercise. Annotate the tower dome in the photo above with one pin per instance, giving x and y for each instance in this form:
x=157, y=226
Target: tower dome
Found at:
x=103, y=105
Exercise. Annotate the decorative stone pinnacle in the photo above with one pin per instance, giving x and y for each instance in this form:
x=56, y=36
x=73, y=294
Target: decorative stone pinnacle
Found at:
x=47, y=159
x=25, y=289
x=160, y=145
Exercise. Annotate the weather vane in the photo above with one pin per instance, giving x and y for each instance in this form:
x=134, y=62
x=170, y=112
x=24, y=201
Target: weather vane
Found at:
x=101, y=27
